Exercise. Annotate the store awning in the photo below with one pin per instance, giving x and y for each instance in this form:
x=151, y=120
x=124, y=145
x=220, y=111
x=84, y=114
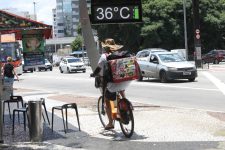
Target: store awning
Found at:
x=11, y=23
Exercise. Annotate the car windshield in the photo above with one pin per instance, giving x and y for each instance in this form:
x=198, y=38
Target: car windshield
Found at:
x=74, y=60
x=46, y=61
x=173, y=57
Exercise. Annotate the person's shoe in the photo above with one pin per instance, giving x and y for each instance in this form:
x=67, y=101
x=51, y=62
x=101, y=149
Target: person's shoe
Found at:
x=108, y=127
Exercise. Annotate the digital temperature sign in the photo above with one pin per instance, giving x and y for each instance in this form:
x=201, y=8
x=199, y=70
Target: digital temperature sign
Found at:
x=120, y=11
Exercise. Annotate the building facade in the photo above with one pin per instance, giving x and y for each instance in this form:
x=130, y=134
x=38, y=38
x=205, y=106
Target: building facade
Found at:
x=66, y=18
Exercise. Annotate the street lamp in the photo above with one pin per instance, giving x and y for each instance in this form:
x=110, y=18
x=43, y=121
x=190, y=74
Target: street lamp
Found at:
x=185, y=28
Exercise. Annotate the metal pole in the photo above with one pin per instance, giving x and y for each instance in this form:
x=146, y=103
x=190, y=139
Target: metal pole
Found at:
x=82, y=51
x=88, y=37
x=35, y=18
x=197, y=41
x=185, y=28
x=1, y=101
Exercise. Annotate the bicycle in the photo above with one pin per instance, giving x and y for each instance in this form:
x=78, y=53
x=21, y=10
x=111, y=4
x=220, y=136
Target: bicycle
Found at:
x=125, y=109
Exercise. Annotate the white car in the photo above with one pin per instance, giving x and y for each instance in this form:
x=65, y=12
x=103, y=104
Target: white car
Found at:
x=167, y=66
x=71, y=64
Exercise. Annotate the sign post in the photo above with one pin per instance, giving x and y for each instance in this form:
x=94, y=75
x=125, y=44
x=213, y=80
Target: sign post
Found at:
x=197, y=39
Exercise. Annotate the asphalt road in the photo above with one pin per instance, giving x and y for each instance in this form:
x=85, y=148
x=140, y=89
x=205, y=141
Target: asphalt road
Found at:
x=207, y=92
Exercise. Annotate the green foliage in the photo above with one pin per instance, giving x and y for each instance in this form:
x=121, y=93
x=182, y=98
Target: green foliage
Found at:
x=79, y=31
x=77, y=43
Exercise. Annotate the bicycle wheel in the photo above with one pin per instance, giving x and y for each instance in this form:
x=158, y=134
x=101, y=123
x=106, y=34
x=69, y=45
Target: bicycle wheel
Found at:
x=128, y=127
x=102, y=111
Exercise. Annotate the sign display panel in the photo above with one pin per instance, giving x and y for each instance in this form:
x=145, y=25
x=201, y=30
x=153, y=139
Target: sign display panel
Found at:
x=33, y=47
x=120, y=11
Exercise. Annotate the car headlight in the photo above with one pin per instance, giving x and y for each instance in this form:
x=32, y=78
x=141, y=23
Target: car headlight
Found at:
x=172, y=69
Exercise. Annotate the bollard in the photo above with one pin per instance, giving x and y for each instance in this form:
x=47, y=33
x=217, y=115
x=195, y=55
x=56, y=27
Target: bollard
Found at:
x=35, y=120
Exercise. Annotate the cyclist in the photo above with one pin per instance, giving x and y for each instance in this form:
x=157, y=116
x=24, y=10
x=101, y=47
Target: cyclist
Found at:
x=109, y=89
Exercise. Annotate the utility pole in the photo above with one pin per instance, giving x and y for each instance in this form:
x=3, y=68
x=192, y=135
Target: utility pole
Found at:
x=1, y=100
x=197, y=41
x=88, y=37
x=185, y=29
x=35, y=17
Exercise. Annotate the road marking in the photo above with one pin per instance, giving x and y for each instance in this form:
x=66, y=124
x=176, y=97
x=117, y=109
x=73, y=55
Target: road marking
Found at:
x=220, y=85
x=171, y=86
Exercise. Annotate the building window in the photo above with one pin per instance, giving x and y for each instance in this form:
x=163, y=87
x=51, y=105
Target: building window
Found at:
x=60, y=24
x=60, y=31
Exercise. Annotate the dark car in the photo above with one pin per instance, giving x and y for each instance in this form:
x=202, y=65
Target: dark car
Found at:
x=214, y=56
x=46, y=66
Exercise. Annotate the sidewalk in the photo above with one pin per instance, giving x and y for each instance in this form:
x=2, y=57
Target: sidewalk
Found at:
x=153, y=124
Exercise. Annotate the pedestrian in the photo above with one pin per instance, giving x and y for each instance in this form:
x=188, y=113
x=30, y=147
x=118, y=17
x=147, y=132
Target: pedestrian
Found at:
x=9, y=73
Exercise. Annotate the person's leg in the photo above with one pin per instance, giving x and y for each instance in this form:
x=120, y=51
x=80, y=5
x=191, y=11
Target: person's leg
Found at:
x=108, y=112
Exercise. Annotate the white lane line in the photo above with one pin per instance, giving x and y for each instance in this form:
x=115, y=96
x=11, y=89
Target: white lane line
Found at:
x=220, y=85
x=172, y=86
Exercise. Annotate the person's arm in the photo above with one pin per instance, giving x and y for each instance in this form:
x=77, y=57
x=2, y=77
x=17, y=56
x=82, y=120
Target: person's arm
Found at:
x=96, y=71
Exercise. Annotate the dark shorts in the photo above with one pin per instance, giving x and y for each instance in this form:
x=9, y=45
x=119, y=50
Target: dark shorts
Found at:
x=110, y=95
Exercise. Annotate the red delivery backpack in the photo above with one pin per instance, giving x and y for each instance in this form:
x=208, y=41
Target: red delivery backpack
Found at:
x=123, y=69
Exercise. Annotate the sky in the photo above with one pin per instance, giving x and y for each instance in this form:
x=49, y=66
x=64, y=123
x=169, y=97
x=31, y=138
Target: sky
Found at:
x=43, y=8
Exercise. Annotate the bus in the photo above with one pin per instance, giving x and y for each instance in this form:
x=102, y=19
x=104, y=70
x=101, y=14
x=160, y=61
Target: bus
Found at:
x=10, y=48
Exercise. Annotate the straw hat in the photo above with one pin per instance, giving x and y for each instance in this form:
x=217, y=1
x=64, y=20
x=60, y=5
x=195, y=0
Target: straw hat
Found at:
x=111, y=44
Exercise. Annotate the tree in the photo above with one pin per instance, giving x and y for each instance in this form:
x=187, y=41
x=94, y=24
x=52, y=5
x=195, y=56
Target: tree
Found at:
x=77, y=43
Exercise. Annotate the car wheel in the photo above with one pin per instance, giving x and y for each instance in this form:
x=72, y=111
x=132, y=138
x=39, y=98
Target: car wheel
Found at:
x=84, y=71
x=60, y=69
x=68, y=70
x=191, y=79
x=50, y=69
x=46, y=69
x=163, y=77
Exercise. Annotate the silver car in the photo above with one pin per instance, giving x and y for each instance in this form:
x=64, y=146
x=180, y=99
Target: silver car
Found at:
x=167, y=66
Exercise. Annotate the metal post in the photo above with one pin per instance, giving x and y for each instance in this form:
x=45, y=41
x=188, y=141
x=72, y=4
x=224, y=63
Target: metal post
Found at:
x=35, y=121
x=1, y=101
x=185, y=28
x=197, y=41
x=82, y=51
x=88, y=37
x=35, y=18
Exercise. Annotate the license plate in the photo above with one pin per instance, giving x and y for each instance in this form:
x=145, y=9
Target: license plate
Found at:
x=186, y=73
